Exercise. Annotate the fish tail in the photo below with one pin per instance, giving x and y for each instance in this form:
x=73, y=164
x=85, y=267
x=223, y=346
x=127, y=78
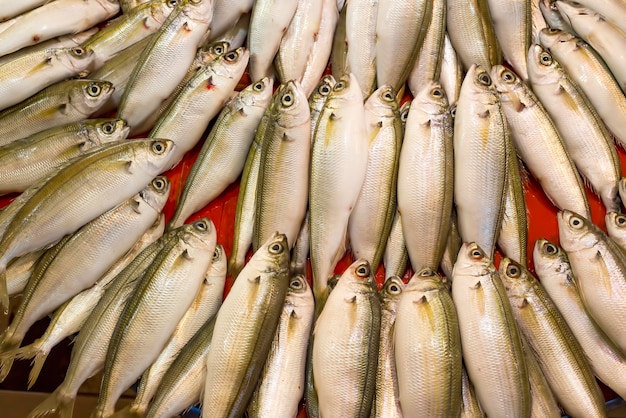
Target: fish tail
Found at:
x=58, y=402
x=4, y=291
x=39, y=359
x=7, y=358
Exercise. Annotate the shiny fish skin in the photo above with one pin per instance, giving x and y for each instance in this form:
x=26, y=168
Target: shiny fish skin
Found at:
x=345, y=352
x=13, y=8
x=559, y=354
x=589, y=72
x=29, y=160
x=61, y=205
x=600, y=270
x=427, y=347
x=480, y=143
x=20, y=270
x=361, y=39
x=8, y=213
x=537, y=19
x=396, y=257
x=543, y=402
x=470, y=407
x=224, y=151
x=453, y=245
x=300, y=250
x=512, y=25
x=553, y=17
x=426, y=177
x=226, y=14
x=539, y=144
x=451, y=74
x=616, y=228
x=318, y=98
x=160, y=300
x=281, y=384
x=611, y=10
x=386, y=399
x=238, y=34
x=25, y=76
x=61, y=103
x=164, y=61
x=555, y=273
x=245, y=327
x=339, y=53
x=585, y=136
x=56, y=18
x=371, y=218
x=490, y=338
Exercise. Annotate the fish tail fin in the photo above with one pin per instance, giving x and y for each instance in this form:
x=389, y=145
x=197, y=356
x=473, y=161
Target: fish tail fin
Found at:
x=58, y=402
x=4, y=291
x=34, y=351
x=7, y=357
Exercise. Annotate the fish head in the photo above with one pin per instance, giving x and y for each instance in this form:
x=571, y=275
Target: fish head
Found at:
x=214, y=50
x=404, y=112
x=87, y=96
x=109, y=130
x=575, y=232
x=548, y=258
x=383, y=103
x=511, y=89
x=159, y=10
x=198, y=10
x=273, y=255
x=219, y=262
x=299, y=293
x=110, y=6
x=515, y=278
x=257, y=94
x=346, y=89
x=615, y=223
x=324, y=88
x=426, y=280
x=431, y=100
x=472, y=261
x=392, y=289
x=359, y=278
x=555, y=38
x=157, y=157
x=75, y=59
x=542, y=67
x=199, y=234
x=575, y=13
x=230, y=65
x=156, y=193
x=291, y=107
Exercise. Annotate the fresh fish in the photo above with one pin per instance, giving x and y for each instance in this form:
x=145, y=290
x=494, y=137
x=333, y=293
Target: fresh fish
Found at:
x=427, y=65
x=224, y=151
x=199, y=101
x=202, y=309
x=480, y=149
x=616, y=228
x=164, y=61
x=226, y=14
x=73, y=196
x=338, y=166
x=622, y=189
x=29, y=160
x=245, y=327
x=61, y=103
x=599, y=266
x=237, y=35
x=537, y=20
x=282, y=188
x=608, y=40
x=12, y=8
x=396, y=257
x=539, y=144
x=559, y=354
x=472, y=34
x=128, y=5
x=426, y=177
x=470, y=408
x=158, y=303
x=100, y=244
x=339, y=53
x=371, y=218
x=8, y=213
x=512, y=24
x=20, y=270
x=453, y=245
x=543, y=401
x=297, y=42
x=269, y=21
x=361, y=39
x=553, y=17
x=427, y=344
x=490, y=338
x=588, y=71
x=451, y=75
x=300, y=251
x=284, y=367
x=318, y=100
x=128, y=29
x=60, y=17
x=610, y=10
x=386, y=398
x=345, y=353
x=25, y=76
x=555, y=273
x=585, y=136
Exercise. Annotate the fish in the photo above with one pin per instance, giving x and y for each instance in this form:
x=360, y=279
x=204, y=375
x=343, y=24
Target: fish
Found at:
x=245, y=326
x=11, y=9
x=20, y=270
x=554, y=20
x=345, y=353
x=537, y=20
x=543, y=402
x=318, y=99
x=226, y=14
x=451, y=74
x=512, y=24
x=237, y=35
x=396, y=257
x=470, y=408
x=453, y=245
x=490, y=337
x=616, y=228
x=339, y=53
x=612, y=11
x=300, y=250
x=361, y=38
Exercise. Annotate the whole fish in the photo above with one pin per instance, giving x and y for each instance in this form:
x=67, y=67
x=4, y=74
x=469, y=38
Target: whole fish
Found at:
x=586, y=69
x=269, y=21
x=25, y=76
x=480, y=142
x=90, y=348
x=361, y=38
x=29, y=160
x=245, y=327
x=555, y=273
x=158, y=303
x=490, y=338
x=286, y=360
x=202, y=309
x=616, y=228
x=451, y=75
x=224, y=151
x=100, y=244
x=164, y=61
x=199, y=101
x=11, y=8
x=599, y=266
x=371, y=218
x=426, y=169
x=345, y=353
x=559, y=354
x=512, y=25
x=387, y=398
x=55, y=18
x=74, y=196
x=427, y=348
x=585, y=136
x=608, y=40
x=539, y=144
x=338, y=166
x=282, y=188
x=226, y=14
x=61, y=103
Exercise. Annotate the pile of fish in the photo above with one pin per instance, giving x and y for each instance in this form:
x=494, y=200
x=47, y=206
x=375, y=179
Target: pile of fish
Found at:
x=330, y=162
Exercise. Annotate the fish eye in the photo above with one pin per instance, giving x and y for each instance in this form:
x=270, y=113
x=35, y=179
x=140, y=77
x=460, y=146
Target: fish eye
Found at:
x=389, y=96
x=158, y=147
x=484, y=79
x=508, y=76
x=258, y=86
x=296, y=283
x=551, y=249
x=512, y=271
x=217, y=254
x=78, y=51
x=340, y=86
x=436, y=92
x=219, y=49
x=201, y=225
x=108, y=127
x=231, y=56
x=287, y=99
x=575, y=222
x=363, y=270
x=94, y=90
x=553, y=30
x=172, y=3
x=158, y=183
x=195, y=1
x=477, y=253
x=453, y=111
x=426, y=272
x=324, y=90
x=620, y=220
x=545, y=58
x=276, y=248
